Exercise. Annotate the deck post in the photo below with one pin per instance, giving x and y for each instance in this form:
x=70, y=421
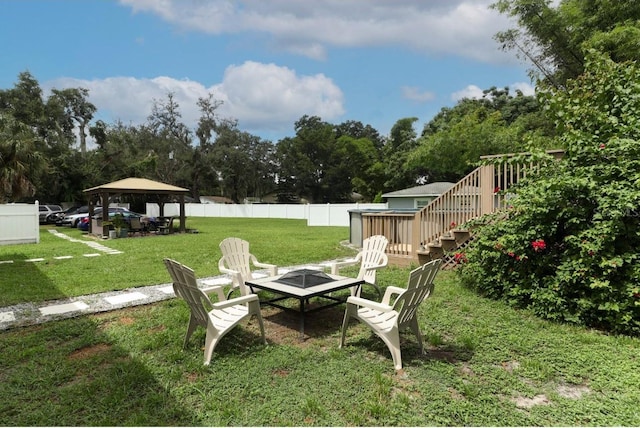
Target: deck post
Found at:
x=415, y=236
x=487, y=187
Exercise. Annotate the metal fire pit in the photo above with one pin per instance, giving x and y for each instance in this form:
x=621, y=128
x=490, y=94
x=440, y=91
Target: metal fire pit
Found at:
x=304, y=278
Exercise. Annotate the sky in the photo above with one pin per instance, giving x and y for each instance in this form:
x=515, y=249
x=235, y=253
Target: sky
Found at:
x=270, y=62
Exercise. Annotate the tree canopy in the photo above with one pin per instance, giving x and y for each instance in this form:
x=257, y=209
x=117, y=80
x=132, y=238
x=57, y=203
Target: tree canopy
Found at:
x=555, y=40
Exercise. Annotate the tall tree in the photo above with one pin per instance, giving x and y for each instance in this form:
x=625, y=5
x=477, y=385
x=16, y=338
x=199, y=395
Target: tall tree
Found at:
x=18, y=160
x=357, y=130
x=204, y=176
x=78, y=108
x=555, y=39
x=304, y=159
x=24, y=101
x=356, y=167
x=172, y=142
x=453, y=141
x=402, y=140
x=232, y=161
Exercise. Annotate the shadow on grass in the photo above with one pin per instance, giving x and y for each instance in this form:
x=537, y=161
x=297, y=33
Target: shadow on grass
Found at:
x=21, y=268
x=283, y=326
x=71, y=373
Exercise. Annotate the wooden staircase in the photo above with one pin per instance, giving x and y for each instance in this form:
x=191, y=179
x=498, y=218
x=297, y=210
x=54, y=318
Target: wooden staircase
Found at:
x=446, y=247
x=437, y=230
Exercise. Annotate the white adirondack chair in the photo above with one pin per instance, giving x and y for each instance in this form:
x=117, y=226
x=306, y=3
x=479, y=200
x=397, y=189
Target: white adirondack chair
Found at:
x=387, y=319
x=371, y=258
x=236, y=261
x=217, y=318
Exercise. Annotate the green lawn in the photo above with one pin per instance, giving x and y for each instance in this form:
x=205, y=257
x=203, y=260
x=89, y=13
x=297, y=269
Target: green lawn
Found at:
x=486, y=364
x=276, y=241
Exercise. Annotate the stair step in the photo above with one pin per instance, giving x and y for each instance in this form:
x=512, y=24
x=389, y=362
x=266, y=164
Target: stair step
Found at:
x=448, y=243
x=435, y=250
x=461, y=236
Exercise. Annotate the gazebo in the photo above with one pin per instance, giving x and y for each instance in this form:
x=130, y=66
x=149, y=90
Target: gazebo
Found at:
x=164, y=193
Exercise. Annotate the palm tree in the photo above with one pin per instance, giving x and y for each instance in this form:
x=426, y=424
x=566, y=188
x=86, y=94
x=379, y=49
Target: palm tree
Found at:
x=18, y=159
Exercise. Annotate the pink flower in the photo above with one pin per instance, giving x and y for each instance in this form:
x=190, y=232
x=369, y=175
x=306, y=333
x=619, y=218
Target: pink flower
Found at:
x=453, y=224
x=496, y=189
x=602, y=146
x=538, y=245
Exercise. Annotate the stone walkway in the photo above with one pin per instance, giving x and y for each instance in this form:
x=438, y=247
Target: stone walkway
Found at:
x=25, y=314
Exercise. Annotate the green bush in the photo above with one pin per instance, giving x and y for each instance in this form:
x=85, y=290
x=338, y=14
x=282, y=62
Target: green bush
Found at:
x=567, y=247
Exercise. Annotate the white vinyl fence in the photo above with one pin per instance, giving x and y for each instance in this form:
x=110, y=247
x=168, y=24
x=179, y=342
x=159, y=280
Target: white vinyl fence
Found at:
x=315, y=214
x=19, y=224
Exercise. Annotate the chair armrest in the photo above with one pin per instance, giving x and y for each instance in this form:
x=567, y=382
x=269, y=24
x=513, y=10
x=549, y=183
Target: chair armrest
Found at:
x=336, y=266
x=384, y=262
x=389, y=292
x=359, y=301
x=236, y=277
x=219, y=289
x=235, y=301
x=273, y=269
x=222, y=268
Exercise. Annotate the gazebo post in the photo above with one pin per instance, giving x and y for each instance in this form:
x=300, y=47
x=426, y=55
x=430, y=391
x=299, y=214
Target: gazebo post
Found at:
x=105, y=211
x=183, y=218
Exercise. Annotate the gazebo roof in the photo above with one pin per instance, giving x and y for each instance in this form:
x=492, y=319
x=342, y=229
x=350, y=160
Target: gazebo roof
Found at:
x=137, y=185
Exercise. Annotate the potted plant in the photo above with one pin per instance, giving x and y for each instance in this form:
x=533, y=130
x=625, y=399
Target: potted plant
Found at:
x=120, y=225
x=107, y=228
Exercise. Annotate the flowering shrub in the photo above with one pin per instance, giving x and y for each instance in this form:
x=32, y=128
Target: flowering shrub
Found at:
x=538, y=245
x=460, y=258
x=568, y=249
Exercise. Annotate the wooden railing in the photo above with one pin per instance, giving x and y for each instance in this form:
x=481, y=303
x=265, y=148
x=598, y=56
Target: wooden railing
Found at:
x=482, y=191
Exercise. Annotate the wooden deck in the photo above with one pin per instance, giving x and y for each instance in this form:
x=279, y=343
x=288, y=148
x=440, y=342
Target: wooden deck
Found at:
x=438, y=228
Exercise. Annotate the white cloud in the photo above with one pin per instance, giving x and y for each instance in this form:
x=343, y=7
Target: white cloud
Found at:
x=415, y=94
x=273, y=97
x=433, y=27
x=260, y=96
x=471, y=91
x=526, y=88
x=474, y=92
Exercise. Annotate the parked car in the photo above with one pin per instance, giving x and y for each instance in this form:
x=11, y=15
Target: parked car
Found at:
x=56, y=218
x=71, y=220
x=83, y=223
x=47, y=210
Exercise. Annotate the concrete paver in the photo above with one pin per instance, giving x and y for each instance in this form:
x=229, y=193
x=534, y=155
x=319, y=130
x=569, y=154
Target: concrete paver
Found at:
x=25, y=314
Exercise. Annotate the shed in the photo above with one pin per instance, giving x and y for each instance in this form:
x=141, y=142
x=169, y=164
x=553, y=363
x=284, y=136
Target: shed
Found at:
x=416, y=197
x=164, y=192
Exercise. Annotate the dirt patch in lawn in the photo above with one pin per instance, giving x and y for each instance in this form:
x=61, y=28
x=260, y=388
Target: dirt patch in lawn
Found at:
x=89, y=351
x=574, y=392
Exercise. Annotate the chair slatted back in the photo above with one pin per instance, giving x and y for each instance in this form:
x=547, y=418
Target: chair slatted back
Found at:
x=373, y=255
x=176, y=275
x=236, y=256
x=185, y=285
x=136, y=224
x=419, y=287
